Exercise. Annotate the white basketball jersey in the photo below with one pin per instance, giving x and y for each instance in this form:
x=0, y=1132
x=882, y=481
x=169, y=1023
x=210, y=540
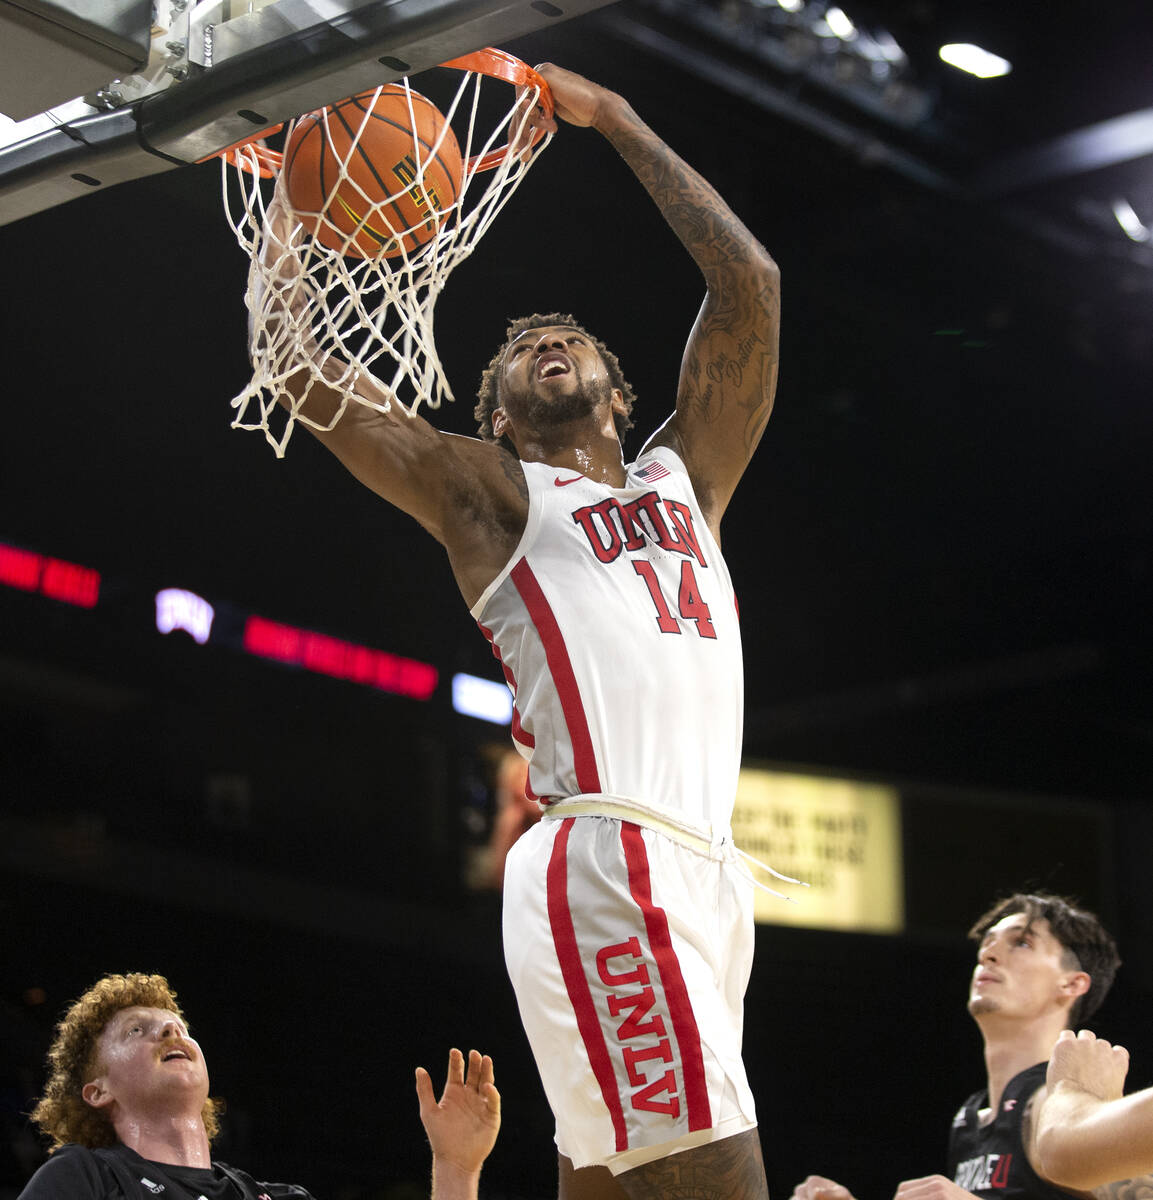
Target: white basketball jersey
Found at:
x=616, y=625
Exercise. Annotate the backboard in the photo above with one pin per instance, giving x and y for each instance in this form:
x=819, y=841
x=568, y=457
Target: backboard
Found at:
x=215, y=73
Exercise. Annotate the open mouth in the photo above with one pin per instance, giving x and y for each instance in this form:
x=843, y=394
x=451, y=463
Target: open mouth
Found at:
x=173, y=1055
x=550, y=367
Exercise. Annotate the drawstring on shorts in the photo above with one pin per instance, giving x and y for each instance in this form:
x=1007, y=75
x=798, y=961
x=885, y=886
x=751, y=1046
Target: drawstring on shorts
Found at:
x=696, y=838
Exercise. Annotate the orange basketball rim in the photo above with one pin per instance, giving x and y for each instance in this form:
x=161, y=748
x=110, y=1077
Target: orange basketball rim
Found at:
x=497, y=64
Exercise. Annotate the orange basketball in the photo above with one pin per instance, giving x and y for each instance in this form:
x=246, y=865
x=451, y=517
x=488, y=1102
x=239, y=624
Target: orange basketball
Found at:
x=367, y=177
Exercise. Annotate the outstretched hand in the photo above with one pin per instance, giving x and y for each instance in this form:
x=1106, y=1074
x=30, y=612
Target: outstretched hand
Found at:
x=461, y=1126
x=1088, y=1063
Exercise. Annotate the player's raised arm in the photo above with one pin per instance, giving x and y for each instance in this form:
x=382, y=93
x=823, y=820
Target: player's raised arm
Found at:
x=453, y=486
x=385, y=449
x=729, y=371
x=461, y=1126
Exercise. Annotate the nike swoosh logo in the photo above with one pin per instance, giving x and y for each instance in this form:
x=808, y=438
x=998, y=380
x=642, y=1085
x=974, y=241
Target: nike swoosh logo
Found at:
x=559, y=482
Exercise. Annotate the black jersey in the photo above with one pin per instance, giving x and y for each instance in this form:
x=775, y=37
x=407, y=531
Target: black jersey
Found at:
x=77, y=1173
x=990, y=1160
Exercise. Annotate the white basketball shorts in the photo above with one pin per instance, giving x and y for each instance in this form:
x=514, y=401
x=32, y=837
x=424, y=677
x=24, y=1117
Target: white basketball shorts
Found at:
x=629, y=954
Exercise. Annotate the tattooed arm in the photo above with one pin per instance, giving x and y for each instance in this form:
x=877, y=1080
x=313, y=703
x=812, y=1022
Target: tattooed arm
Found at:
x=729, y=370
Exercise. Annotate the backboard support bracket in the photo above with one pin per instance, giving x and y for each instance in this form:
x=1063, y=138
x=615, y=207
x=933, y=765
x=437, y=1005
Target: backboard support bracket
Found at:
x=267, y=67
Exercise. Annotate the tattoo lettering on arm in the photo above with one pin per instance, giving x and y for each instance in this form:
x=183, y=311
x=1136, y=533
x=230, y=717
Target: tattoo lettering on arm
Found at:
x=726, y=375
x=741, y=301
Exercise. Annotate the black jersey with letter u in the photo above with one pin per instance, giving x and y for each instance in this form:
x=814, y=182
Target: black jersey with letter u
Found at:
x=990, y=1160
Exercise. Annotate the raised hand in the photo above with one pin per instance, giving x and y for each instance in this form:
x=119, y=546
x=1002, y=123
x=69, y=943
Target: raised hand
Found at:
x=461, y=1126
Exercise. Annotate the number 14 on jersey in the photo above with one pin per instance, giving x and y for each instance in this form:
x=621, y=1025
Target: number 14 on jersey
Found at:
x=690, y=605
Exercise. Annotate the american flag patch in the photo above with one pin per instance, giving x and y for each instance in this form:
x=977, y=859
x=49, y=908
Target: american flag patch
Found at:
x=653, y=472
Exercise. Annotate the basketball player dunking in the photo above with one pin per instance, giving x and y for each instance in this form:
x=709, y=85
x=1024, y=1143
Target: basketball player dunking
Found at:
x=601, y=587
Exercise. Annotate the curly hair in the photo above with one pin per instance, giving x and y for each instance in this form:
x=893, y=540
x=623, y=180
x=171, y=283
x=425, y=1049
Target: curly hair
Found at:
x=1088, y=946
x=488, y=394
x=62, y=1112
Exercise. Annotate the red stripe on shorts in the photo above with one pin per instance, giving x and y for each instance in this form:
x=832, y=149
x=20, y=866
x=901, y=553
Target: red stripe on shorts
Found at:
x=564, y=678
x=568, y=954
x=676, y=993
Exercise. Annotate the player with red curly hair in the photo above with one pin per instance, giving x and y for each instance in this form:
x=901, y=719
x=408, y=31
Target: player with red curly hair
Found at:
x=65, y=1112
x=128, y=1112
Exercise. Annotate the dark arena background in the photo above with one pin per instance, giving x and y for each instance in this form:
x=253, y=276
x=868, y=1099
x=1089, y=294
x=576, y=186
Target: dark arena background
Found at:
x=942, y=552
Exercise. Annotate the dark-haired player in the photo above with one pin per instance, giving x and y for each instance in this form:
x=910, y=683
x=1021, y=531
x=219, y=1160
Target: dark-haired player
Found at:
x=600, y=584
x=1043, y=967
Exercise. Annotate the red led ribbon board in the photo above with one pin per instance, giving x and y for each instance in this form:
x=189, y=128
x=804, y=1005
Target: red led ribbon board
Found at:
x=342, y=660
x=52, y=577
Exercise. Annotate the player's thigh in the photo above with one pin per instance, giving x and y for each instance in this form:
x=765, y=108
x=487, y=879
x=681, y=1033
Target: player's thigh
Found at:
x=729, y=1169
x=588, y=1183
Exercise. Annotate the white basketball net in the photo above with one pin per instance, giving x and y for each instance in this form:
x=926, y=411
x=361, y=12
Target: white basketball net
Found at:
x=322, y=319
